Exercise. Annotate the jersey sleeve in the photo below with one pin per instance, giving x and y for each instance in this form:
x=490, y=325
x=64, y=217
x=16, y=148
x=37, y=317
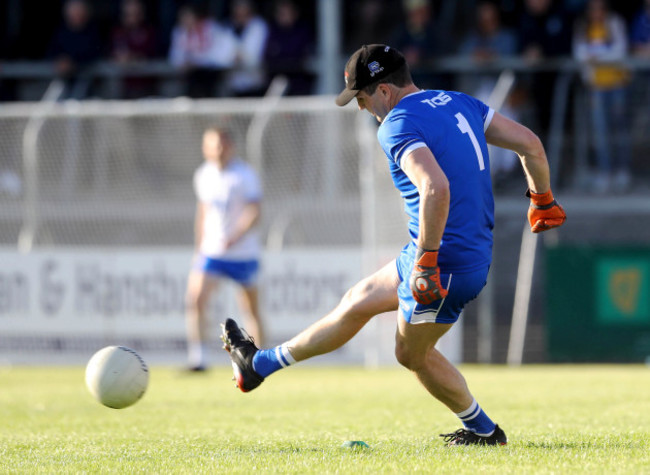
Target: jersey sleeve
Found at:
x=197, y=183
x=253, y=189
x=487, y=113
x=398, y=137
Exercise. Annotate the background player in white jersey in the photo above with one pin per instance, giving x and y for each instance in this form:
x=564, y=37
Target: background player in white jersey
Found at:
x=436, y=145
x=226, y=240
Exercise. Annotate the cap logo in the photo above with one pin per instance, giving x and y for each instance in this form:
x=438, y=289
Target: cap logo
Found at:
x=346, y=76
x=375, y=68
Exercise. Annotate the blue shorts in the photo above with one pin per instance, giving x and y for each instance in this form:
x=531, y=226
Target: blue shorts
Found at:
x=462, y=288
x=243, y=272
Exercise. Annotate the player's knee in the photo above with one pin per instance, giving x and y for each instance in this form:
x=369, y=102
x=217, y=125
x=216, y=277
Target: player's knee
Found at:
x=408, y=356
x=354, y=303
x=405, y=355
x=402, y=354
x=349, y=297
x=195, y=300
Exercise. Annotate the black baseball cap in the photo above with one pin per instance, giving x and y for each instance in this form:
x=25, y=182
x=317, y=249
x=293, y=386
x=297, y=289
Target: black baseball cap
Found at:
x=367, y=65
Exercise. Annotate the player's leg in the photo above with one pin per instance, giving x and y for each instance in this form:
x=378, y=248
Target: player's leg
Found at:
x=371, y=296
x=248, y=304
x=621, y=139
x=415, y=349
x=419, y=329
x=246, y=273
x=601, y=141
x=200, y=287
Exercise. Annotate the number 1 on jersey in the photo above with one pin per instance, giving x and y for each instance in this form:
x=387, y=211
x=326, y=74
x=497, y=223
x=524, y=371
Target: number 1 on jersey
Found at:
x=464, y=127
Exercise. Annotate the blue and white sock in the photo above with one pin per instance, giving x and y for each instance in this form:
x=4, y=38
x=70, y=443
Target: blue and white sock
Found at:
x=266, y=362
x=196, y=354
x=476, y=420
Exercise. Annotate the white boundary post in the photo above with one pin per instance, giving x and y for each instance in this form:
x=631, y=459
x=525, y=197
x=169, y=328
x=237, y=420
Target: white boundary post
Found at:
x=485, y=302
x=254, y=148
x=255, y=132
x=522, y=297
x=33, y=128
x=528, y=253
x=330, y=73
x=366, y=140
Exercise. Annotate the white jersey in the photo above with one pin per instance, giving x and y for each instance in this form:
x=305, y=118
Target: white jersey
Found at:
x=250, y=48
x=227, y=192
x=210, y=45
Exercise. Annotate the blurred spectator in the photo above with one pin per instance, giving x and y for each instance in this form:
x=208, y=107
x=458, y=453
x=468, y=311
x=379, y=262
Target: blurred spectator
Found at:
x=490, y=41
x=640, y=31
x=600, y=40
x=545, y=30
x=132, y=41
x=203, y=49
x=574, y=7
x=289, y=46
x=417, y=38
x=75, y=45
x=7, y=87
x=640, y=47
x=251, y=33
x=371, y=22
x=544, y=33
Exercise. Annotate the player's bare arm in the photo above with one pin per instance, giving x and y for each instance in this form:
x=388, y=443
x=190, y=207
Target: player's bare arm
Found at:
x=544, y=212
x=249, y=217
x=433, y=187
x=424, y=172
x=507, y=133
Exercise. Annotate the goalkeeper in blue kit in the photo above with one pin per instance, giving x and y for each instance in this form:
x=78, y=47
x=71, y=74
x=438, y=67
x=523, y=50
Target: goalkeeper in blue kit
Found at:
x=436, y=145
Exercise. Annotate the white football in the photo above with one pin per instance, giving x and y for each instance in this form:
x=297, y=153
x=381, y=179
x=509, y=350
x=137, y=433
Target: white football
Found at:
x=117, y=376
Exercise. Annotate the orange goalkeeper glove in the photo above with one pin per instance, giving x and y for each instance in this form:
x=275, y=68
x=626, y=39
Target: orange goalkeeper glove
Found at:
x=425, y=278
x=544, y=212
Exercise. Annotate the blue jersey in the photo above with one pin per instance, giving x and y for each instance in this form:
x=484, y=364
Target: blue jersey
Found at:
x=452, y=125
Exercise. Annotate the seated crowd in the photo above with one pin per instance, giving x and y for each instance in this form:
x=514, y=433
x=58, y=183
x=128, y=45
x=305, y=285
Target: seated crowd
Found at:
x=234, y=48
x=234, y=53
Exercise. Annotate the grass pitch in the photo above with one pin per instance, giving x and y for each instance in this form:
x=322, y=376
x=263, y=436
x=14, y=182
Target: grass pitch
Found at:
x=559, y=419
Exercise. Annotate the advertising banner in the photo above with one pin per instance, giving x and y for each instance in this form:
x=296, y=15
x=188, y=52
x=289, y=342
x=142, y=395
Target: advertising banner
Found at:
x=64, y=302
x=598, y=304
x=61, y=305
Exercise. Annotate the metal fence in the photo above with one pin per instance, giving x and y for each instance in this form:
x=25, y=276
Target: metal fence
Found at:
x=114, y=173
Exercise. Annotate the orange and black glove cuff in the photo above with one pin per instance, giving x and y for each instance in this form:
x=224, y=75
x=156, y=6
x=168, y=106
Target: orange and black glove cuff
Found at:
x=541, y=200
